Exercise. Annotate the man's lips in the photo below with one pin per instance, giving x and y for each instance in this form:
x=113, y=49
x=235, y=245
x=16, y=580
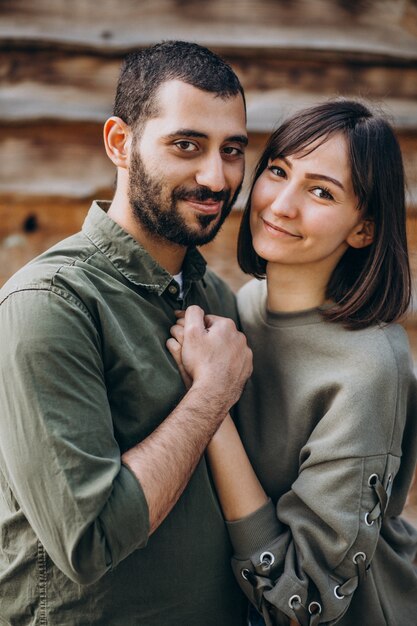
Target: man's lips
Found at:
x=278, y=230
x=209, y=207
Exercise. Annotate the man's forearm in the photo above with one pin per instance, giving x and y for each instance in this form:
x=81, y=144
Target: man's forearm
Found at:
x=164, y=462
x=218, y=362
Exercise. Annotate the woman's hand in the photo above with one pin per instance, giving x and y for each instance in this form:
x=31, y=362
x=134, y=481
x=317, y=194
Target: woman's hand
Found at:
x=174, y=345
x=239, y=490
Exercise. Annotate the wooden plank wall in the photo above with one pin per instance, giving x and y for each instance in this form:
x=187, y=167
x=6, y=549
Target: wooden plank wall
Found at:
x=59, y=62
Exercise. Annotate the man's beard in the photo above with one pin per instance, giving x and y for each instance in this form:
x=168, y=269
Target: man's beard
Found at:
x=155, y=207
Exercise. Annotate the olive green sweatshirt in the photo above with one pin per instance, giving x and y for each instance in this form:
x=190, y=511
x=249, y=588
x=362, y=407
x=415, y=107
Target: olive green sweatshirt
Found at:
x=329, y=420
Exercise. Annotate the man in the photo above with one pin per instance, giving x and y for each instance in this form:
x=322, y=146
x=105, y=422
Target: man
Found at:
x=107, y=512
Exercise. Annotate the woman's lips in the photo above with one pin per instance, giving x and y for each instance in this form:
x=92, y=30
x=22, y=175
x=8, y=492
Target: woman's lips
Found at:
x=278, y=230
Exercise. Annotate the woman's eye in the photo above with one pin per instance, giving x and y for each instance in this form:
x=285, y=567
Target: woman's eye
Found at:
x=322, y=193
x=277, y=171
x=186, y=146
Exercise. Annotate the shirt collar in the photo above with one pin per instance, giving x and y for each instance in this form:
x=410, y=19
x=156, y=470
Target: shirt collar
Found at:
x=129, y=257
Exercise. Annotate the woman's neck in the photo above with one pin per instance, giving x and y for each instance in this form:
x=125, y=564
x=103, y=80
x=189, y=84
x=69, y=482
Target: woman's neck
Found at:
x=294, y=288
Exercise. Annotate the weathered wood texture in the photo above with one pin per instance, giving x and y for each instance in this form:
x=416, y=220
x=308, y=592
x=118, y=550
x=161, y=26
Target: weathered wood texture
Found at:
x=381, y=27
x=59, y=63
x=74, y=85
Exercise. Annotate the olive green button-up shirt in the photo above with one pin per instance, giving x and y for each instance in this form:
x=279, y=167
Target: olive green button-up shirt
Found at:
x=84, y=376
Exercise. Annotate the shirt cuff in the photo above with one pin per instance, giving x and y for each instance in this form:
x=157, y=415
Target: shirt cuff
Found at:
x=254, y=531
x=125, y=519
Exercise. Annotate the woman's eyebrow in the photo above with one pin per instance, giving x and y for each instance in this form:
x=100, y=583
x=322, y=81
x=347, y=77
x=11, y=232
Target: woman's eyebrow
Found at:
x=312, y=176
x=324, y=177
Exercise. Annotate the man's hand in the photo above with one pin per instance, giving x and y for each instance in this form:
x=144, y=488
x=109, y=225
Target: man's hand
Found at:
x=217, y=362
x=213, y=354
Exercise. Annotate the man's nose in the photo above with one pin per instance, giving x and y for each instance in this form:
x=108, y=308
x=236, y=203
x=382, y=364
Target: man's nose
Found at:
x=211, y=173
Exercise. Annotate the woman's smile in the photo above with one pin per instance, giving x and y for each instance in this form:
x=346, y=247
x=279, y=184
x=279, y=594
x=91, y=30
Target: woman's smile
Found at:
x=278, y=231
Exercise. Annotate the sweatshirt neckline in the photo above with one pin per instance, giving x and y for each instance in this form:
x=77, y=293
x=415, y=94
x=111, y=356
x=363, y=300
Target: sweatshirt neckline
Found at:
x=294, y=318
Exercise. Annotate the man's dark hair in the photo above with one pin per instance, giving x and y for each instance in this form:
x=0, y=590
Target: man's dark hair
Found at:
x=144, y=71
x=370, y=284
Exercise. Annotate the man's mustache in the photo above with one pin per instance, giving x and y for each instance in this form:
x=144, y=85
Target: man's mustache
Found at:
x=201, y=194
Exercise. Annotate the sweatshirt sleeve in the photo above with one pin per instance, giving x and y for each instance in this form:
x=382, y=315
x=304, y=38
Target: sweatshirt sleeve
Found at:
x=304, y=558
x=57, y=444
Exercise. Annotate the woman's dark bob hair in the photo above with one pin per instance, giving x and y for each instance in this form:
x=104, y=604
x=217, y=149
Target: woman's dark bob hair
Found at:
x=371, y=284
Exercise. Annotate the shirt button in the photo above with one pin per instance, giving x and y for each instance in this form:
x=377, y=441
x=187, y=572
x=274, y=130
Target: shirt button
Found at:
x=173, y=289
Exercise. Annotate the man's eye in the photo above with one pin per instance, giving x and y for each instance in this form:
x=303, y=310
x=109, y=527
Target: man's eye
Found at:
x=232, y=151
x=186, y=146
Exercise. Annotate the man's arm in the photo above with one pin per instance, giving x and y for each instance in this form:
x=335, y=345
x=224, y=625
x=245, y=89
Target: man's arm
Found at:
x=219, y=362
x=58, y=451
x=239, y=490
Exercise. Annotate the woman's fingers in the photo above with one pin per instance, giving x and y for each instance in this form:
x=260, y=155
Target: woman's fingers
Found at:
x=177, y=331
x=175, y=350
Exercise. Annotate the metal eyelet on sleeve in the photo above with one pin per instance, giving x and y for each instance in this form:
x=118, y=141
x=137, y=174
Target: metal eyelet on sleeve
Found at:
x=383, y=496
x=267, y=559
x=367, y=522
x=358, y=554
x=244, y=573
x=310, y=616
x=350, y=585
x=314, y=608
x=372, y=479
x=293, y=599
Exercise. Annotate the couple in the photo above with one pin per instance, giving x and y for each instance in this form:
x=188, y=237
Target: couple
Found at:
x=108, y=513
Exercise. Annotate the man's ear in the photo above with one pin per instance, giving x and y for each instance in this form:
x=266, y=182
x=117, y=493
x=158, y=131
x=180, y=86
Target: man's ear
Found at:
x=117, y=141
x=362, y=235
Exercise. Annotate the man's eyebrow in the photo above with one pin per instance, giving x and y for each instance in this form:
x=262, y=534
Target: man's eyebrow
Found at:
x=186, y=132
x=194, y=134
x=239, y=139
x=324, y=177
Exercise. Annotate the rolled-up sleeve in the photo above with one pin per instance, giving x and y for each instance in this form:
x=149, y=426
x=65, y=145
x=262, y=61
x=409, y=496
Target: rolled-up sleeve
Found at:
x=57, y=445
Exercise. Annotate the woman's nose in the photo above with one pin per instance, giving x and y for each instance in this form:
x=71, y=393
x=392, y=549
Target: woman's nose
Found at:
x=285, y=203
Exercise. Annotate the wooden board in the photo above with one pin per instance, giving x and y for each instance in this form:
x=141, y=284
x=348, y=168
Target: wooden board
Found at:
x=377, y=27
x=74, y=86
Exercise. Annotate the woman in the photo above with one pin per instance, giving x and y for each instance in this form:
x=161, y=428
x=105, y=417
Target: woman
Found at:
x=328, y=419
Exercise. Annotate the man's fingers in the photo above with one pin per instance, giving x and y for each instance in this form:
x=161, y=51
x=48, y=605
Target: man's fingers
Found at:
x=209, y=320
x=194, y=319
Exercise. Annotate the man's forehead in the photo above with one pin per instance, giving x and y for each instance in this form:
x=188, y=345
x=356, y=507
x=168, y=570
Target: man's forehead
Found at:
x=183, y=106
x=182, y=89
